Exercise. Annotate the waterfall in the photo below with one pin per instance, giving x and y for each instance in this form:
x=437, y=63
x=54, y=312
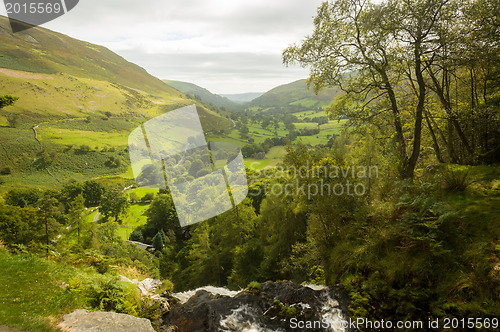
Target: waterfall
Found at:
x=332, y=313
x=277, y=307
x=244, y=319
x=185, y=296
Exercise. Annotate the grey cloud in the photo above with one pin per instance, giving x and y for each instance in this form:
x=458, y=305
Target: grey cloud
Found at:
x=220, y=73
x=244, y=29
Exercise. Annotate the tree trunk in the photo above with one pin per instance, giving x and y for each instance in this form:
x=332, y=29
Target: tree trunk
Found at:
x=397, y=123
x=409, y=170
x=437, y=151
x=445, y=102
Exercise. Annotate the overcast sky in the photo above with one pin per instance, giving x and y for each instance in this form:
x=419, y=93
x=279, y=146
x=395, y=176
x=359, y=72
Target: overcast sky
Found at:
x=226, y=46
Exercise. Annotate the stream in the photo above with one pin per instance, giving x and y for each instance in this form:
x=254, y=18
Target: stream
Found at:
x=277, y=306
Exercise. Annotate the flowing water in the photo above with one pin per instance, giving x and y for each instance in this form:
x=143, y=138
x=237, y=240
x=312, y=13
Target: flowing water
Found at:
x=220, y=309
x=184, y=296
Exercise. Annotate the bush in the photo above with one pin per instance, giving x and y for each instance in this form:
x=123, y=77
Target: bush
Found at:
x=136, y=236
x=133, y=197
x=455, y=178
x=253, y=287
x=108, y=294
x=283, y=311
x=82, y=149
x=5, y=171
x=148, y=198
x=113, y=162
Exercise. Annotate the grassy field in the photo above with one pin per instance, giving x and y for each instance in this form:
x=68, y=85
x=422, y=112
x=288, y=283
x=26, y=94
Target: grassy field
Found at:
x=95, y=139
x=327, y=130
x=273, y=158
x=37, y=292
x=32, y=296
x=134, y=218
x=309, y=102
x=312, y=113
x=61, y=96
x=302, y=125
x=276, y=154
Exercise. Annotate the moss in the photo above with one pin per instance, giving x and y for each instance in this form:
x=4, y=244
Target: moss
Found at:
x=253, y=287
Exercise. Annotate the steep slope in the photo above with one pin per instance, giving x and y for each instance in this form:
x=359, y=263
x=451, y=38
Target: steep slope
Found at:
x=78, y=102
x=205, y=95
x=40, y=50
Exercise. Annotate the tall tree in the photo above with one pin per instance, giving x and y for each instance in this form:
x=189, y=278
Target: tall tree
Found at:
x=93, y=192
x=76, y=208
x=48, y=209
x=370, y=51
x=114, y=204
x=162, y=216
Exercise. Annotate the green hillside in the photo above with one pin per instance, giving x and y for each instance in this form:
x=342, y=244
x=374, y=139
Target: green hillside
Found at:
x=204, y=95
x=77, y=104
x=40, y=50
x=294, y=96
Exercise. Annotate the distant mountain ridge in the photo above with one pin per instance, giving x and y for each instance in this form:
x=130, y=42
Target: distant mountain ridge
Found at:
x=292, y=95
x=241, y=98
x=44, y=51
x=78, y=103
x=296, y=93
x=205, y=95
x=56, y=76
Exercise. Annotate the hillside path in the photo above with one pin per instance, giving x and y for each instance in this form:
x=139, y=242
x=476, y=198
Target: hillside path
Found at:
x=36, y=137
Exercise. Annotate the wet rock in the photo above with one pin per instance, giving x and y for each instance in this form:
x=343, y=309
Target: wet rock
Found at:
x=270, y=309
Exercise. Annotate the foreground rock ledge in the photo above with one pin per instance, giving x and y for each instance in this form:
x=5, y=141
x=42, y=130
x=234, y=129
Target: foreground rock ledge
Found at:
x=84, y=321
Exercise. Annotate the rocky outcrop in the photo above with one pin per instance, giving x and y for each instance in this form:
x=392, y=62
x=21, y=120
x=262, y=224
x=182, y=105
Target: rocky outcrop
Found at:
x=272, y=308
x=147, y=286
x=148, y=289
x=84, y=321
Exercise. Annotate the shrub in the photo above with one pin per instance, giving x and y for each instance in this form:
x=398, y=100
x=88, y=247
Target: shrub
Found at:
x=253, y=287
x=283, y=311
x=136, y=236
x=113, y=162
x=107, y=294
x=83, y=149
x=5, y=171
x=455, y=178
x=148, y=197
x=133, y=197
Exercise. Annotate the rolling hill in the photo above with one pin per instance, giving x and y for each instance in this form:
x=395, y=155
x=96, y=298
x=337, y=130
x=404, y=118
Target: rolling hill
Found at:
x=77, y=104
x=40, y=50
x=293, y=96
x=58, y=76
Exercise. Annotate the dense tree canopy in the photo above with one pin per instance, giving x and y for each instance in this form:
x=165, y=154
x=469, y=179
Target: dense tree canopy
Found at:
x=398, y=63
x=7, y=100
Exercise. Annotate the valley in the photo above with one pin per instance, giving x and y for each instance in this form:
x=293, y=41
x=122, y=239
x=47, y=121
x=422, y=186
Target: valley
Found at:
x=316, y=236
